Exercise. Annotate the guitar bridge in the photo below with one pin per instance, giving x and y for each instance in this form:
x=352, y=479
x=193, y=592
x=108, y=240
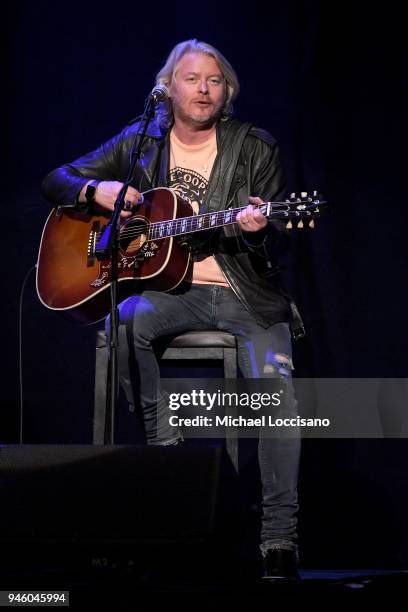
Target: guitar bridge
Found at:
x=94, y=236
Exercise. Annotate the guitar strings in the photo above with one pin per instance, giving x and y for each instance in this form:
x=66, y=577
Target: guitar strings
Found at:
x=195, y=219
x=153, y=228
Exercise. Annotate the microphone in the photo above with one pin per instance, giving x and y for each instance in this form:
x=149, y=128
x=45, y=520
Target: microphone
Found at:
x=159, y=93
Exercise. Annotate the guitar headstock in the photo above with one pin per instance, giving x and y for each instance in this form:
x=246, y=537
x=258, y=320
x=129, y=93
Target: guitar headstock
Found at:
x=302, y=209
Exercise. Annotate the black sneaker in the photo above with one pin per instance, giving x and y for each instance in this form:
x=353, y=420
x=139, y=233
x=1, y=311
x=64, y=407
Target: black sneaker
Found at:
x=280, y=564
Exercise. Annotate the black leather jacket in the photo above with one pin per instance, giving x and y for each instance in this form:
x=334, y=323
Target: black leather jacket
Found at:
x=249, y=262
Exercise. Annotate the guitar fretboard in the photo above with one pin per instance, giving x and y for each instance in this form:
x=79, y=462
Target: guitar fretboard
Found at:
x=196, y=223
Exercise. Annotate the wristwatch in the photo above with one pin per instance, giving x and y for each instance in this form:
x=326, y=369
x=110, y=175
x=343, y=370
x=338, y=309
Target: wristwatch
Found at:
x=90, y=191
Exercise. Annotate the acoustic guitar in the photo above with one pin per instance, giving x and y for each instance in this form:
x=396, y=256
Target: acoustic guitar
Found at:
x=152, y=255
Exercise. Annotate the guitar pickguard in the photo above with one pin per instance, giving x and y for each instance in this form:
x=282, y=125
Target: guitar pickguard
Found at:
x=126, y=263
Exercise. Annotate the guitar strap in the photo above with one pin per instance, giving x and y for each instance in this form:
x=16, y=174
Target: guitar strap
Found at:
x=225, y=165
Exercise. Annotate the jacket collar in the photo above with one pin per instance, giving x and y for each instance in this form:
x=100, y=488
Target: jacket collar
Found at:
x=155, y=151
x=159, y=151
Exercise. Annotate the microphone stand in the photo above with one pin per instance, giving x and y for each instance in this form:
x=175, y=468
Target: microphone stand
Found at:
x=107, y=247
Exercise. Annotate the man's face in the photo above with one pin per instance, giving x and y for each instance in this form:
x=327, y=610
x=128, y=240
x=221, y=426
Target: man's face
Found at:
x=198, y=90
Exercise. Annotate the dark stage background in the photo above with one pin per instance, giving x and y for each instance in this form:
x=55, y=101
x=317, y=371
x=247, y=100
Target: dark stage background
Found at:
x=326, y=80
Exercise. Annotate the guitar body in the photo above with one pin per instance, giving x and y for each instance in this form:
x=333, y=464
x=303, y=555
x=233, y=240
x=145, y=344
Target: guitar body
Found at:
x=70, y=277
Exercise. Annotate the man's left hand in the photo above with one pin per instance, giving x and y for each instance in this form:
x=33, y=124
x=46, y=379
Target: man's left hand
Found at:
x=251, y=219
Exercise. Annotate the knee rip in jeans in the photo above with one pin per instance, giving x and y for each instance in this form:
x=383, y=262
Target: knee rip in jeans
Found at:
x=278, y=364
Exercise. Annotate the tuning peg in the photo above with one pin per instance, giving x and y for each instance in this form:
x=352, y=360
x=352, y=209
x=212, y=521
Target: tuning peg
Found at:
x=289, y=225
x=293, y=196
x=300, y=224
x=311, y=224
x=303, y=194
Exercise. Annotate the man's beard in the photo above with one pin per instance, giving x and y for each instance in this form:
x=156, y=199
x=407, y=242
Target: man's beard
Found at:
x=198, y=121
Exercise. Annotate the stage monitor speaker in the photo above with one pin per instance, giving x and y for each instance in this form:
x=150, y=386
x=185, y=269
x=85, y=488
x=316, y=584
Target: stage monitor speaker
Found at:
x=70, y=505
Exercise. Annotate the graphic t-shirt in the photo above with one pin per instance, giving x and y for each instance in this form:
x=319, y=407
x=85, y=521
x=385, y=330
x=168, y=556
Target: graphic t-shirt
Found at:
x=190, y=169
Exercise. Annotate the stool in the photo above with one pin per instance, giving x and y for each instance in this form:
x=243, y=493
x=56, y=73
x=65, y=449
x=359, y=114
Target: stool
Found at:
x=190, y=345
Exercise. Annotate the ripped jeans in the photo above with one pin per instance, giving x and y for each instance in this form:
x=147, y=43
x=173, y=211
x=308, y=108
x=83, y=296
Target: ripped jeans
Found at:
x=262, y=353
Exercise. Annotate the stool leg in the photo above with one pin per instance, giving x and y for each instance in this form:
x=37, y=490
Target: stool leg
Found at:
x=230, y=363
x=231, y=438
x=101, y=383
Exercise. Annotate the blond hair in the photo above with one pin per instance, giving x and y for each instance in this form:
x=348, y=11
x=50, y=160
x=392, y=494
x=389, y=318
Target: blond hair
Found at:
x=167, y=75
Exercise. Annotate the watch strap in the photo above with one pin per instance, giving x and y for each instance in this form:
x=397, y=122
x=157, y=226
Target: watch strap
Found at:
x=90, y=191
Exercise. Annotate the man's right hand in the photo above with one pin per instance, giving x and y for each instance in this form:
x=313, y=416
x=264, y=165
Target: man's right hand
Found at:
x=107, y=192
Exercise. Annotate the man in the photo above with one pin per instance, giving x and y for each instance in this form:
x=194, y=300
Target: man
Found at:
x=214, y=162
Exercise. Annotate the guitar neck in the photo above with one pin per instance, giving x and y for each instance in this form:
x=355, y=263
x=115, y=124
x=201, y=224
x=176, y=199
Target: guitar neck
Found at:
x=206, y=221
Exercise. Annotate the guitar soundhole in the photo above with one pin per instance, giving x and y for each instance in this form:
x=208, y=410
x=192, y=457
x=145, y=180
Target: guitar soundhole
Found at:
x=133, y=235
